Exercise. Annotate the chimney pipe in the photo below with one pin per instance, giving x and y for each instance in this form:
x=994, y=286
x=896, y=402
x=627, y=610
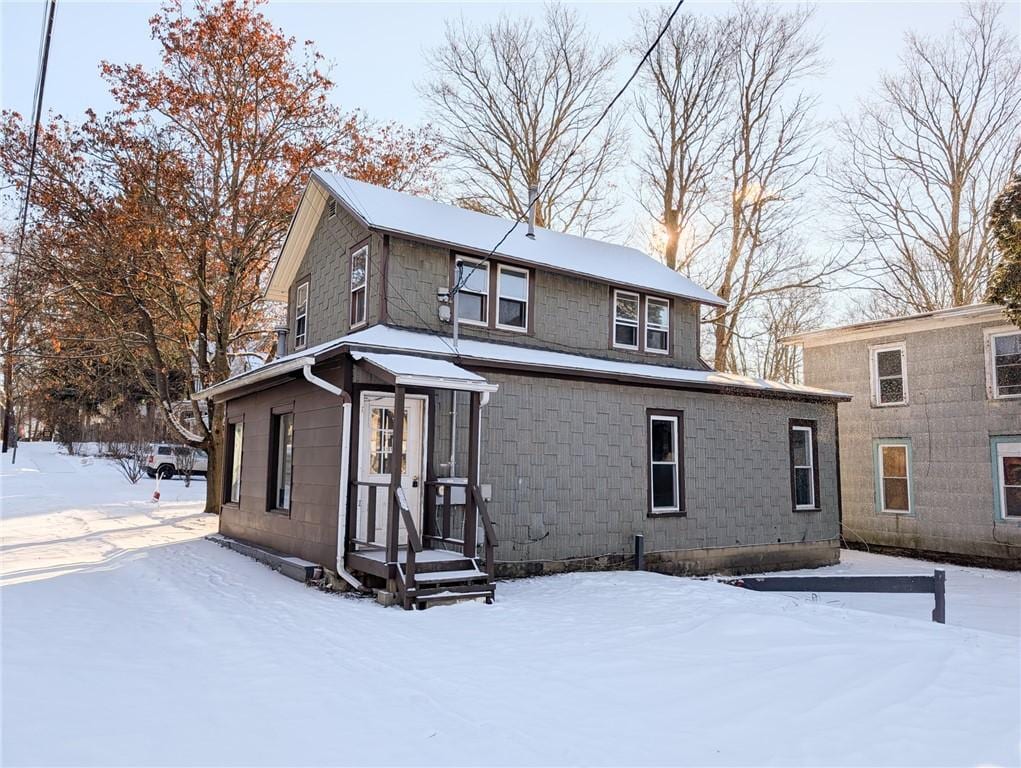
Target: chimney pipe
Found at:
x=533, y=199
x=281, y=331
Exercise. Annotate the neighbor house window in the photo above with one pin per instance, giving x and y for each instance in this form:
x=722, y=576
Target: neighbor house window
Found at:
x=359, y=284
x=235, y=444
x=657, y=325
x=893, y=476
x=804, y=465
x=473, y=296
x=1003, y=361
x=281, y=460
x=301, y=315
x=1007, y=468
x=512, y=298
x=666, y=436
x=889, y=375
x=625, y=319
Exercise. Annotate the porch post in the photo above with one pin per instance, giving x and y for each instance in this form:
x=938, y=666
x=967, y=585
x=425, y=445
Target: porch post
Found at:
x=471, y=510
x=392, y=520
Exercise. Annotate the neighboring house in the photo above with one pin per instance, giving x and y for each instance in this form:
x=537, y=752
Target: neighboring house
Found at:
x=930, y=445
x=574, y=413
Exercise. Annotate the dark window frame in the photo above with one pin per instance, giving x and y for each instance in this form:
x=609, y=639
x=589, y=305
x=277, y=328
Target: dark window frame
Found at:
x=814, y=426
x=272, y=466
x=228, y=464
x=665, y=413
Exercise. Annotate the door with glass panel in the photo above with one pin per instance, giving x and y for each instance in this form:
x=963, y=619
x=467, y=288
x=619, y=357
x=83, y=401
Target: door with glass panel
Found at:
x=375, y=462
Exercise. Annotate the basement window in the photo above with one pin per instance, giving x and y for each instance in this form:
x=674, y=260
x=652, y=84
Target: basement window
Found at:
x=889, y=375
x=804, y=465
x=893, y=476
x=301, y=315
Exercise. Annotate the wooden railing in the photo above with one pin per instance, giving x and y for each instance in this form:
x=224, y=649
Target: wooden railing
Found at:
x=487, y=524
x=405, y=580
x=370, y=513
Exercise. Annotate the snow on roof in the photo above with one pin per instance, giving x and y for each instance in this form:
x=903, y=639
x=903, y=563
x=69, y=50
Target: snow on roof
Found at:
x=469, y=350
x=413, y=370
x=419, y=217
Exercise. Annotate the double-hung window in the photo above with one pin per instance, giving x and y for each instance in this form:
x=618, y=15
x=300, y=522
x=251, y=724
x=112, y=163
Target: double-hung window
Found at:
x=893, y=476
x=359, y=285
x=473, y=296
x=301, y=315
x=625, y=319
x=1003, y=362
x=666, y=462
x=1007, y=470
x=281, y=460
x=512, y=298
x=235, y=444
x=804, y=465
x=657, y=325
x=889, y=375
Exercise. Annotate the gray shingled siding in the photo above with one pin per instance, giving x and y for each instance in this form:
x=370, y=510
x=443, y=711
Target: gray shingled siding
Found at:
x=949, y=420
x=569, y=468
x=571, y=314
x=326, y=262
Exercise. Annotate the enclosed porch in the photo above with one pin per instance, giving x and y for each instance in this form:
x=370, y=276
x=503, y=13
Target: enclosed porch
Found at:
x=418, y=528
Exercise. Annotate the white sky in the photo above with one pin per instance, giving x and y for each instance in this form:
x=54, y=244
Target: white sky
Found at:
x=378, y=48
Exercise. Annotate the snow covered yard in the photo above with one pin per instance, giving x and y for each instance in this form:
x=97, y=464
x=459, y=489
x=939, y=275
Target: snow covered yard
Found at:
x=128, y=640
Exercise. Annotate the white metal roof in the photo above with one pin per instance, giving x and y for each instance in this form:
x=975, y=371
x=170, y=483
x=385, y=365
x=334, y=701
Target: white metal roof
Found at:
x=420, y=218
x=416, y=371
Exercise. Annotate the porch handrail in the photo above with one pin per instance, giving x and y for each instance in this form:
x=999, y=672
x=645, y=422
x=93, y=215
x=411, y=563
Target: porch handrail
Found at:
x=409, y=522
x=406, y=581
x=487, y=524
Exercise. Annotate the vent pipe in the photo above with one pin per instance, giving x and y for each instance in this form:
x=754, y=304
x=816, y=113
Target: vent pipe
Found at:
x=533, y=199
x=281, y=331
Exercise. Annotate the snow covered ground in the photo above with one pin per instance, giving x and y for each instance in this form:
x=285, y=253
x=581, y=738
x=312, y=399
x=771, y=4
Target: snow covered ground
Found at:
x=128, y=640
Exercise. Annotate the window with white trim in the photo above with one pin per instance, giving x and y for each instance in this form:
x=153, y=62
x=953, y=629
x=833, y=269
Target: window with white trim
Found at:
x=301, y=315
x=359, y=285
x=889, y=374
x=804, y=465
x=657, y=325
x=893, y=477
x=512, y=298
x=1008, y=477
x=665, y=462
x=1003, y=358
x=473, y=297
x=625, y=319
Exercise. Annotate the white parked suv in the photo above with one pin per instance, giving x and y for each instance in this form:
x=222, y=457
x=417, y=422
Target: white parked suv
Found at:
x=166, y=460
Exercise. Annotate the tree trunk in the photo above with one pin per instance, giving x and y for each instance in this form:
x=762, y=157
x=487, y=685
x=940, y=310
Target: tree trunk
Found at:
x=214, y=468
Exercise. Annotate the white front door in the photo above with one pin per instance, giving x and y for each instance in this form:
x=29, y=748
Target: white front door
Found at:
x=375, y=451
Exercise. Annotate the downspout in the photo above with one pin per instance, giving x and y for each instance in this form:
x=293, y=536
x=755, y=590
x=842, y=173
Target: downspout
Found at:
x=345, y=471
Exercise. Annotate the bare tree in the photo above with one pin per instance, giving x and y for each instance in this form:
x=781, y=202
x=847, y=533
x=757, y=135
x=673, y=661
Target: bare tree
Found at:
x=683, y=108
x=924, y=159
x=512, y=102
x=781, y=315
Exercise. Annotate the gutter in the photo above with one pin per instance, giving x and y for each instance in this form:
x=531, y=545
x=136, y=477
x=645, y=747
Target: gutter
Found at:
x=269, y=371
x=345, y=452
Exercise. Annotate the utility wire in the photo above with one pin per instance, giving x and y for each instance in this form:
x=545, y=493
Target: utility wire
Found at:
x=655, y=43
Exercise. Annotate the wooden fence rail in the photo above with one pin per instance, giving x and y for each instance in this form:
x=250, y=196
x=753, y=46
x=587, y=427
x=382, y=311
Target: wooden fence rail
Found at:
x=933, y=585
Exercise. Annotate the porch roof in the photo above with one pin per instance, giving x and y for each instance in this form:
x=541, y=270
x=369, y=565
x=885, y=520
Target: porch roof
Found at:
x=414, y=371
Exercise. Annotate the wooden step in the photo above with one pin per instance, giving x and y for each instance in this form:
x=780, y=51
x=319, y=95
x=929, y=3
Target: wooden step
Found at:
x=444, y=577
x=450, y=597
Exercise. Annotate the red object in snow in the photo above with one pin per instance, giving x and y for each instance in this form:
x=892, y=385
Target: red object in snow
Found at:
x=155, y=495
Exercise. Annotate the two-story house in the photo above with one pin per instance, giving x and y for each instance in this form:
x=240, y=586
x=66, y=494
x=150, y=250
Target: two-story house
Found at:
x=930, y=444
x=572, y=412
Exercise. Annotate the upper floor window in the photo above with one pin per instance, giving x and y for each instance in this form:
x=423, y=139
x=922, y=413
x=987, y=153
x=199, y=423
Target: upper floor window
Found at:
x=889, y=375
x=301, y=315
x=1003, y=362
x=512, y=298
x=359, y=284
x=657, y=325
x=473, y=296
x=804, y=465
x=625, y=319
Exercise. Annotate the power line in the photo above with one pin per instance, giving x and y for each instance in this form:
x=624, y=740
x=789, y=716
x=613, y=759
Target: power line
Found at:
x=655, y=43
x=37, y=114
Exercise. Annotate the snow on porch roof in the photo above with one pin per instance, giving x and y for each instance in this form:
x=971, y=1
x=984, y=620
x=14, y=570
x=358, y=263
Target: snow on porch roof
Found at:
x=418, y=217
x=414, y=371
x=482, y=352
